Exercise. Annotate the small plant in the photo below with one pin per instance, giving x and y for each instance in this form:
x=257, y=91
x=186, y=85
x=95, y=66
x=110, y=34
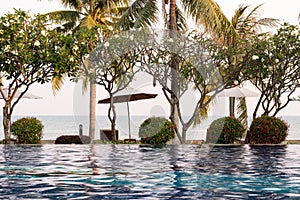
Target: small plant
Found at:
x=268, y=130
x=225, y=130
x=73, y=139
x=28, y=130
x=156, y=130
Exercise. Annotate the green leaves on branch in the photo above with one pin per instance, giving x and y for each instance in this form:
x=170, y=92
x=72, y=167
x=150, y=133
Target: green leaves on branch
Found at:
x=268, y=130
x=156, y=130
x=274, y=67
x=31, y=50
x=225, y=130
x=28, y=130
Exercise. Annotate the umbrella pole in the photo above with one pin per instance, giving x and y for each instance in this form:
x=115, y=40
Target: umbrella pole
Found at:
x=231, y=106
x=128, y=113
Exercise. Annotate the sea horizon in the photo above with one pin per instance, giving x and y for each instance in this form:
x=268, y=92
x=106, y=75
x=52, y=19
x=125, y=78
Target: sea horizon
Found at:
x=57, y=125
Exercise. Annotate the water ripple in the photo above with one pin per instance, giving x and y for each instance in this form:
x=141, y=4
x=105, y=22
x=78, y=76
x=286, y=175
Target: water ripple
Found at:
x=149, y=172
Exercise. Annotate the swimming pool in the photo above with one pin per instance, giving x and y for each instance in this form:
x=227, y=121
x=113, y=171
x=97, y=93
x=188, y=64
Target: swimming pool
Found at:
x=145, y=172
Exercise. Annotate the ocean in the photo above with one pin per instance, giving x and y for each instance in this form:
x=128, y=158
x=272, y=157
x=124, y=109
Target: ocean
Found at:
x=55, y=126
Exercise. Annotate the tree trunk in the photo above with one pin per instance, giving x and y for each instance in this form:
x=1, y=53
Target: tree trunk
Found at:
x=175, y=69
x=6, y=123
x=112, y=118
x=175, y=97
x=92, y=112
x=184, y=130
x=257, y=107
x=178, y=137
x=172, y=20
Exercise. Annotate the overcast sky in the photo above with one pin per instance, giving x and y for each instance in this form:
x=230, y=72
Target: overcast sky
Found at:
x=69, y=100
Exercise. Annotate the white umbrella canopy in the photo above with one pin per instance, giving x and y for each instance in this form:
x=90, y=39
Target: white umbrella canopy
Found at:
x=27, y=95
x=126, y=95
x=238, y=92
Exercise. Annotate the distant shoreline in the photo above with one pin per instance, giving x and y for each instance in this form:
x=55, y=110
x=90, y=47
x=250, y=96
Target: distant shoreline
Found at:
x=193, y=142
x=57, y=125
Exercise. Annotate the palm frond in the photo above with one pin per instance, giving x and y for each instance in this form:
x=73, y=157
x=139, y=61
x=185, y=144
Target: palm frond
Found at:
x=69, y=26
x=117, y=12
x=140, y=13
x=107, y=4
x=208, y=14
x=64, y=16
x=249, y=24
x=57, y=82
x=242, y=111
x=270, y=22
x=75, y=4
x=203, y=111
x=181, y=22
x=87, y=22
x=239, y=13
x=85, y=84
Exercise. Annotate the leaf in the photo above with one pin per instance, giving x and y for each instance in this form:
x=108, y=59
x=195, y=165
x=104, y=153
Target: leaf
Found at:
x=57, y=82
x=242, y=111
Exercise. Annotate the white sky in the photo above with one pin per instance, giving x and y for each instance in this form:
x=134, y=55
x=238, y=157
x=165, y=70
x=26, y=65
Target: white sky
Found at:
x=69, y=101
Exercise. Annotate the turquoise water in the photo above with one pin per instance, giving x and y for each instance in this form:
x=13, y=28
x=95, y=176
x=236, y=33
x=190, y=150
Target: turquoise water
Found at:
x=149, y=172
x=54, y=126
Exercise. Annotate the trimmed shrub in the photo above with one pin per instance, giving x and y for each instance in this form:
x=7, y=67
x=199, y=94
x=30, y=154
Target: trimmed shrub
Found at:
x=73, y=139
x=28, y=130
x=268, y=130
x=156, y=130
x=225, y=130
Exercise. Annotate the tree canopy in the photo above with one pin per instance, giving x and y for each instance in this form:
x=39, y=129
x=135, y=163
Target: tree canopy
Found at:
x=31, y=51
x=274, y=68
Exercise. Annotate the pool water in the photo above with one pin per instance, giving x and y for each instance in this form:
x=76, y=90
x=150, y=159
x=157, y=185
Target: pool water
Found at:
x=149, y=172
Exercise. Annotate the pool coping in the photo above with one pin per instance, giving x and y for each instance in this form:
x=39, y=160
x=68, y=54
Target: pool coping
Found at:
x=201, y=142
x=197, y=142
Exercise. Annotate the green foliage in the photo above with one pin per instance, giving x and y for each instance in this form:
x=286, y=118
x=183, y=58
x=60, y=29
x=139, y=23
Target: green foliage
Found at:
x=73, y=139
x=156, y=130
x=31, y=48
x=34, y=51
x=225, y=130
x=28, y=130
x=268, y=130
x=273, y=67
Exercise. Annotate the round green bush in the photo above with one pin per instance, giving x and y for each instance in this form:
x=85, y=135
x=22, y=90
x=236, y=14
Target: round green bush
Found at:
x=156, y=130
x=28, y=130
x=225, y=130
x=268, y=130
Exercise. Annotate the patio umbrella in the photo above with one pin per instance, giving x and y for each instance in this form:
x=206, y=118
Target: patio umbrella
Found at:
x=127, y=95
x=238, y=92
x=27, y=95
x=235, y=92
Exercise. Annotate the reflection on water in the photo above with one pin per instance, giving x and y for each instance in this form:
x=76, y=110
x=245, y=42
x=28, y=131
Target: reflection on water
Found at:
x=145, y=172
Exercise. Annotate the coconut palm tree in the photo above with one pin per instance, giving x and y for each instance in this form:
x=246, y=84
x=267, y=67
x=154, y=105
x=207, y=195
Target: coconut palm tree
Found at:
x=208, y=14
x=88, y=13
x=247, y=24
x=205, y=13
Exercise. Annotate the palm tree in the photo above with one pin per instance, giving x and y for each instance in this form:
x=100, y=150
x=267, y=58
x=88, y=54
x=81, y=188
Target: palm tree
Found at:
x=88, y=13
x=247, y=25
x=206, y=13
